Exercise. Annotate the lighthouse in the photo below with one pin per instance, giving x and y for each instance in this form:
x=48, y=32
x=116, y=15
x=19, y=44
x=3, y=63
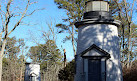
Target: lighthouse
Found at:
x=98, y=53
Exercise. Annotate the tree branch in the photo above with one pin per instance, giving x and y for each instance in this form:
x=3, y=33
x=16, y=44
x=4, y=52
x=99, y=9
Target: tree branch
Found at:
x=17, y=24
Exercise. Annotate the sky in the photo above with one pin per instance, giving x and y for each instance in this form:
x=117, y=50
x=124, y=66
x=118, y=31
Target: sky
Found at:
x=38, y=23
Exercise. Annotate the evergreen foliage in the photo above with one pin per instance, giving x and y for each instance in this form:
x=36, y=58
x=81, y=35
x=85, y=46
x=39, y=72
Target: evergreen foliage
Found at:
x=74, y=11
x=45, y=52
x=68, y=72
x=49, y=57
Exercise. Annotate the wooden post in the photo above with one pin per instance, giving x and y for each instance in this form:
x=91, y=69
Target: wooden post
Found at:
x=64, y=58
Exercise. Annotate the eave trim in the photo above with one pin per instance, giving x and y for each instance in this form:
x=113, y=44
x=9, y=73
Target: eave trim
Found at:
x=106, y=54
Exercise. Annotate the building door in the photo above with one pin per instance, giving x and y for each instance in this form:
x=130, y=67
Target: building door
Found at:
x=94, y=70
x=32, y=78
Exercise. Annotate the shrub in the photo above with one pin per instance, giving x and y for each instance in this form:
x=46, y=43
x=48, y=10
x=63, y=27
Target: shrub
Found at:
x=68, y=72
x=130, y=74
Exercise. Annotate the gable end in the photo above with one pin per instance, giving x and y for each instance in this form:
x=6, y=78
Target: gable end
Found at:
x=105, y=54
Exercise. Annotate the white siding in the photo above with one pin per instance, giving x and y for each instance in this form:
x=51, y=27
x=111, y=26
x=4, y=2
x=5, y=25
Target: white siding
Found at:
x=104, y=36
x=32, y=69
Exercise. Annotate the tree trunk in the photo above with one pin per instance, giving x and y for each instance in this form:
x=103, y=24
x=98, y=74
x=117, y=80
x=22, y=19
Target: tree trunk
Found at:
x=73, y=40
x=123, y=43
x=1, y=57
x=20, y=74
x=129, y=45
x=0, y=67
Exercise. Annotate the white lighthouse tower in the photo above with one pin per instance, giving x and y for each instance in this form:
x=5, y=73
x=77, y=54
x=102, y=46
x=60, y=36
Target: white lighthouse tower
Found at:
x=98, y=54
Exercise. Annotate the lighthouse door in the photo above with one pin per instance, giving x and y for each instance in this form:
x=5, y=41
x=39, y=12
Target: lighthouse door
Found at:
x=94, y=70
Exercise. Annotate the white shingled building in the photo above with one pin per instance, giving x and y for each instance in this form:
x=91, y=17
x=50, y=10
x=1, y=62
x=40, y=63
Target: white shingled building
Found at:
x=32, y=72
x=98, y=54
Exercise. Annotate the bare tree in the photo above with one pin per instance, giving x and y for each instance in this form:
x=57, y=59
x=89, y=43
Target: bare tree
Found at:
x=7, y=13
x=125, y=14
x=49, y=66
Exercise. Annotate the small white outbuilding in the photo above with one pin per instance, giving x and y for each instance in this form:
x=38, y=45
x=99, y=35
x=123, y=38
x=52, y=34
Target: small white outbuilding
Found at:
x=32, y=72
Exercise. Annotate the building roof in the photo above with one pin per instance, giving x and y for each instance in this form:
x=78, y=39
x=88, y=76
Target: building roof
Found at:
x=33, y=74
x=94, y=51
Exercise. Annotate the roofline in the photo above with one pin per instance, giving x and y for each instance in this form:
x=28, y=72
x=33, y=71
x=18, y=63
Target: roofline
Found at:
x=97, y=21
x=98, y=48
x=31, y=63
